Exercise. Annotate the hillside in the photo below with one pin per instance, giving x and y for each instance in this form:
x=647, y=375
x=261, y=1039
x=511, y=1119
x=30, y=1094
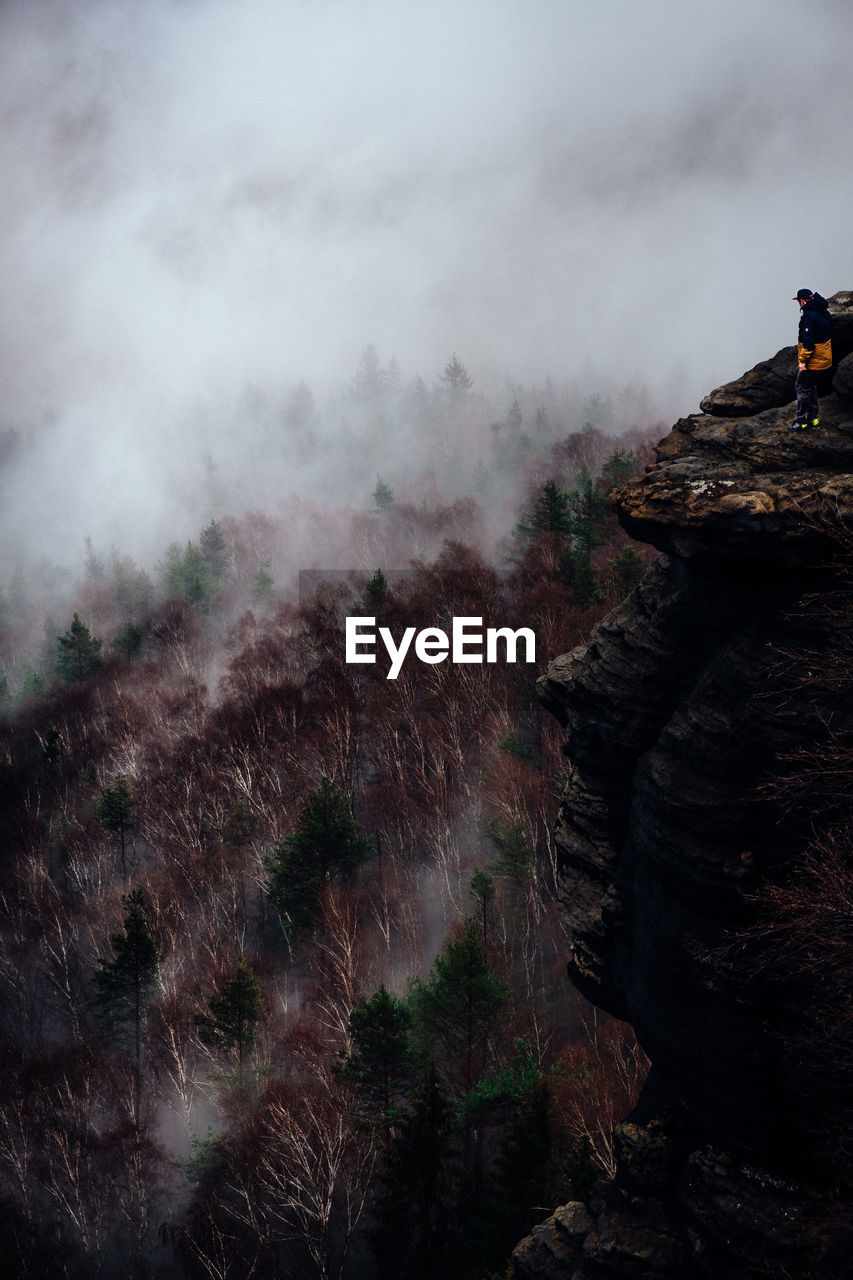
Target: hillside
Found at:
x=283, y=979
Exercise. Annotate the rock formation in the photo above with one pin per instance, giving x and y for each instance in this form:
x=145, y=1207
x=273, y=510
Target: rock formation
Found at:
x=679, y=715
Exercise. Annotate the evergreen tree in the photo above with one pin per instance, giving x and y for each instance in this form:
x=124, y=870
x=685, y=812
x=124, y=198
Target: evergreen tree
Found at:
x=418, y=405
x=128, y=641
x=199, y=582
x=597, y=411
x=78, y=652
x=512, y=743
x=380, y=1059
x=125, y=983
x=551, y=513
x=131, y=588
x=234, y=1013
x=263, y=583
x=524, y=1168
x=482, y=889
x=300, y=409
x=494, y=1203
x=188, y=575
x=517, y=856
x=415, y=1203
x=214, y=550
x=459, y=1006
x=95, y=571
x=626, y=570
x=375, y=591
x=455, y=383
x=541, y=425
x=114, y=808
x=584, y=580
x=588, y=509
x=325, y=847
x=369, y=382
x=383, y=495
x=620, y=466
x=32, y=686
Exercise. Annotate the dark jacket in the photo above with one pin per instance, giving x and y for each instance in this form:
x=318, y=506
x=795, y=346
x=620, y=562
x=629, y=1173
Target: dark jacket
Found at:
x=814, y=340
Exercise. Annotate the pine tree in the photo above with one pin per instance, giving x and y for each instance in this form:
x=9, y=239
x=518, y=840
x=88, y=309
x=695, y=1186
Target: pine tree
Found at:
x=459, y=1006
x=78, y=652
x=626, y=570
x=482, y=889
x=380, y=1059
x=234, y=1013
x=551, y=513
x=199, y=581
x=95, y=571
x=588, y=510
x=620, y=466
x=131, y=588
x=188, y=575
x=516, y=854
x=416, y=1200
x=32, y=686
x=383, y=495
x=325, y=847
x=128, y=641
x=125, y=984
x=375, y=591
x=525, y=1175
x=584, y=580
x=369, y=381
x=114, y=808
x=596, y=411
x=214, y=550
x=454, y=385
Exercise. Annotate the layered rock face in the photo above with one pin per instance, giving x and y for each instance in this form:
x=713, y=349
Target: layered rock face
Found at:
x=678, y=714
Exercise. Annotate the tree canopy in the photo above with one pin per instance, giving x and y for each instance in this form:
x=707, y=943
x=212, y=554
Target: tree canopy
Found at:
x=125, y=983
x=235, y=1009
x=325, y=847
x=458, y=1007
x=380, y=1060
x=78, y=653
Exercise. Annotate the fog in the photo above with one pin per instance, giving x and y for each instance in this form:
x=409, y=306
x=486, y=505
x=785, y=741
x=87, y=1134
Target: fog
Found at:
x=204, y=201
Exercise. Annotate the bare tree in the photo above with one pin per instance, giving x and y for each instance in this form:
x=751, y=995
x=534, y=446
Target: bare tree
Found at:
x=314, y=1174
x=603, y=1075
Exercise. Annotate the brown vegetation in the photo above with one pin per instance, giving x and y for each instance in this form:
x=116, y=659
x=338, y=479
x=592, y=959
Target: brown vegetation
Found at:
x=221, y=731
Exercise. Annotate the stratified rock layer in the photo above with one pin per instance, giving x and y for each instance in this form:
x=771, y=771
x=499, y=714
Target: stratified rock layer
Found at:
x=675, y=721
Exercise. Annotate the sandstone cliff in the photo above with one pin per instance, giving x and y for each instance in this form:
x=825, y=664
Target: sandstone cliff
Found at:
x=679, y=714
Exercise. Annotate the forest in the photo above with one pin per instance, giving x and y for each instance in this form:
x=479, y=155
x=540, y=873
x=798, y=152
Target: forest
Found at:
x=283, y=976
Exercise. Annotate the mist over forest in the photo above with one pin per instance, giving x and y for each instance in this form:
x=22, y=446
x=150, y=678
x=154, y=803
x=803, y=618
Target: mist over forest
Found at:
x=209, y=208
x=399, y=292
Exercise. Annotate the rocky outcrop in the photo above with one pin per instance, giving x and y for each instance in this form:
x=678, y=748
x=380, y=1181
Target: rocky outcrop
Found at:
x=678, y=715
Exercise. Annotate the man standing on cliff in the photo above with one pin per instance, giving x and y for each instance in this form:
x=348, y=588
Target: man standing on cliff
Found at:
x=814, y=357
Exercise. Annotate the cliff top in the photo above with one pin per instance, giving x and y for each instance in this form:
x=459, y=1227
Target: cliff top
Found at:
x=733, y=480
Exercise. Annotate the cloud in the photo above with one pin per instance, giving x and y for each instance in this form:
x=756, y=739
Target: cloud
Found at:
x=202, y=195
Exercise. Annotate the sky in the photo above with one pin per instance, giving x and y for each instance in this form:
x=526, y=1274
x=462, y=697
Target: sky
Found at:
x=203, y=195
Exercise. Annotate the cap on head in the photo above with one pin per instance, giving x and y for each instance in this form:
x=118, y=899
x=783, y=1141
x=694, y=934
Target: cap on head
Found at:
x=802, y=294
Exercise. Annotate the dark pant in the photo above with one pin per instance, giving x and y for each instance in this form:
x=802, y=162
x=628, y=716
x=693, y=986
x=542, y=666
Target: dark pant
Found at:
x=807, y=386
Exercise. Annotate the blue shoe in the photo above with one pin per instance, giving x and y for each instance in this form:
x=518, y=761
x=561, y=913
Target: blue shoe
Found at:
x=797, y=426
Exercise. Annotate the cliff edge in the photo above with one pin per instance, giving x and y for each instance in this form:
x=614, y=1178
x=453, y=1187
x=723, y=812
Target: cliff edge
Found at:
x=682, y=715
